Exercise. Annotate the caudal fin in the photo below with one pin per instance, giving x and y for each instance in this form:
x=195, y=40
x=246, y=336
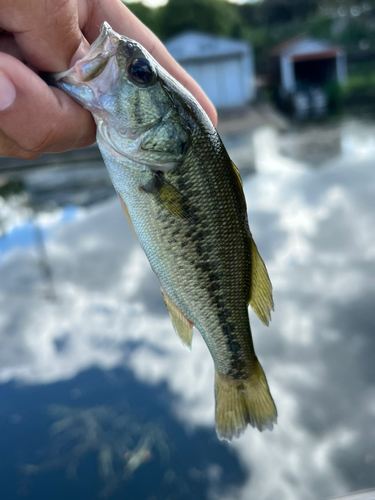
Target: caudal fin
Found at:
x=241, y=402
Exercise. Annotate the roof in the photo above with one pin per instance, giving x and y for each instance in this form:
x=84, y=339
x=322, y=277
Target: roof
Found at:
x=194, y=45
x=303, y=48
x=281, y=47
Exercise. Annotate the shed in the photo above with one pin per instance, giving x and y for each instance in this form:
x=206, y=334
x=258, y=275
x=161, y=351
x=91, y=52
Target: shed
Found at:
x=304, y=62
x=223, y=68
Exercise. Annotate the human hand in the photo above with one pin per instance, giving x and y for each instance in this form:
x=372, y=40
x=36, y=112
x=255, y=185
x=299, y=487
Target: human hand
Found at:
x=50, y=36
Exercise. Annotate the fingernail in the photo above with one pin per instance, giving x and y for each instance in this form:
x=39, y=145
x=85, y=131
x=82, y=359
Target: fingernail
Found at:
x=7, y=92
x=82, y=50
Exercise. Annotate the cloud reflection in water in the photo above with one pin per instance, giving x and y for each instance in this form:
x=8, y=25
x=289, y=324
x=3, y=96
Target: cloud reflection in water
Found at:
x=315, y=231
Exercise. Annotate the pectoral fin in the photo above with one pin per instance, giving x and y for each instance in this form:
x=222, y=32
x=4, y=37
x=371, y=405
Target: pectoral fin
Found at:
x=261, y=288
x=183, y=327
x=168, y=196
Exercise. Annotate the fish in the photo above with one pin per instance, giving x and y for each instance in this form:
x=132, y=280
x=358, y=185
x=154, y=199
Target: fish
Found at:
x=184, y=200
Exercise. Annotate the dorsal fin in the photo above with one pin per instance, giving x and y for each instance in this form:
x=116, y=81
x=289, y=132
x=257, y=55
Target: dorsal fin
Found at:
x=183, y=327
x=237, y=172
x=261, y=288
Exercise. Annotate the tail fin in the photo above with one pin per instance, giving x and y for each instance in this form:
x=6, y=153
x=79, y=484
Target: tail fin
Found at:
x=242, y=402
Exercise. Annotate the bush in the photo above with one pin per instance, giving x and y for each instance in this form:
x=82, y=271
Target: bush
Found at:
x=359, y=90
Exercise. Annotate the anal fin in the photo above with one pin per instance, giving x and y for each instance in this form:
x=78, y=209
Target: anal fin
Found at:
x=261, y=288
x=183, y=327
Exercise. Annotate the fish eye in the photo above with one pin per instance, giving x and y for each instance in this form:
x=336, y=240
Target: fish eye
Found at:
x=140, y=71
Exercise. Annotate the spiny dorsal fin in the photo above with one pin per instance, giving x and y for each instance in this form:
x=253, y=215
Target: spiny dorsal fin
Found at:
x=183, y=327
x=240, y=193
x=237, y=172
x=261, y=288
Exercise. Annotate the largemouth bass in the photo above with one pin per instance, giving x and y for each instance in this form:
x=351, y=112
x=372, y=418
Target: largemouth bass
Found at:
x=183, y=198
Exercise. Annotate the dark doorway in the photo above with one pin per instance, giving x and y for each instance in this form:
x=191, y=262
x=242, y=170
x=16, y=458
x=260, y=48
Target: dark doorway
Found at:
x=315, y=72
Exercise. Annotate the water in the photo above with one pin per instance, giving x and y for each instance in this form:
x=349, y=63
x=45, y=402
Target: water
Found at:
x=98, y=398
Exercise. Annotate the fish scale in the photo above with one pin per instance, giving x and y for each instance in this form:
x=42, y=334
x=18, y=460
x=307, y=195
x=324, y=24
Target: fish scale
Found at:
x=229, y=340
x=183, y=198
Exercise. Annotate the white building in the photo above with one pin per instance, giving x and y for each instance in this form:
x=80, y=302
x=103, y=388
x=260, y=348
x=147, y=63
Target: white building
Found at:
x=223, y=68
x=305, y=62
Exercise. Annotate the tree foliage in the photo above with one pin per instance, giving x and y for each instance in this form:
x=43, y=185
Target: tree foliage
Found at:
x=210, y=16
x=265, y=23
x=149, y=17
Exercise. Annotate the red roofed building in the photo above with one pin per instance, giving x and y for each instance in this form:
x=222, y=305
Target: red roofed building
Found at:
x=305, y=62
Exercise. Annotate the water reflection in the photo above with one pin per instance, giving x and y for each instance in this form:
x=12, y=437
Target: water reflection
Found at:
x=314, y=229
x=119, y=442
x=103, y=434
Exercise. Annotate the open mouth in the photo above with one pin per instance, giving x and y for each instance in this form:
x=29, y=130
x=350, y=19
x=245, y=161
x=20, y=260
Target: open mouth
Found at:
x=96, y=59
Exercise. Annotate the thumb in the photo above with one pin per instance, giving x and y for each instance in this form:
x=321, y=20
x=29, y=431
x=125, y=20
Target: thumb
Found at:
x=47, y=32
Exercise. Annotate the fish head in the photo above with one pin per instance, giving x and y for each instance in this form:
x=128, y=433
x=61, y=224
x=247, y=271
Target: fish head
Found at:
x=133, y=101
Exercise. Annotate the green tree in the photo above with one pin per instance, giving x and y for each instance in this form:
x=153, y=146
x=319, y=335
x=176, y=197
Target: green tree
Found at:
x=277, y=12
x=149, y=17
x=210, y=16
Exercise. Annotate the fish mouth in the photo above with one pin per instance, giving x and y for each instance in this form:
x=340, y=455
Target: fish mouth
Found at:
x=80, y=81
x=94, y=62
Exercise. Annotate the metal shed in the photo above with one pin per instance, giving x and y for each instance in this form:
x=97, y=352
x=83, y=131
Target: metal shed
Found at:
x=306, y=62
x=223, y=68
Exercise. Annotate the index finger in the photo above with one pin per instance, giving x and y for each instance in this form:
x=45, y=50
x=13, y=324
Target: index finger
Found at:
x=47, y=31
x=125, y=23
